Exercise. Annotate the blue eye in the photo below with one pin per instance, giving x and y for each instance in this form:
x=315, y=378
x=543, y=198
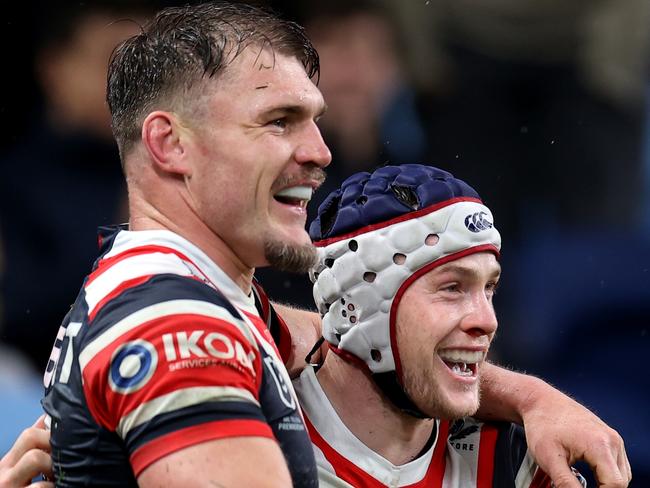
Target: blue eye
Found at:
x=492, y=287
x=452, y=288
x=279, y=123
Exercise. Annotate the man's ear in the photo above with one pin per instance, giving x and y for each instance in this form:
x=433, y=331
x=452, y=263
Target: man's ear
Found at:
x=161, y=135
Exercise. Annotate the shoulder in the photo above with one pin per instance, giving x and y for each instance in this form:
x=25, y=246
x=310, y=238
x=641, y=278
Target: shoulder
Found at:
x=155, y=272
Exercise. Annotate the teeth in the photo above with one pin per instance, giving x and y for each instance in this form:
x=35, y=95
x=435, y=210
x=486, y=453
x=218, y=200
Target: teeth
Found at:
x=296, y=192
x=461, y=356
x=461, y=369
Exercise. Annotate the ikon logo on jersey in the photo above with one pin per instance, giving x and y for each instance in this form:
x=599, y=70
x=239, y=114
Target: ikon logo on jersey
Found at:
x=197, y=349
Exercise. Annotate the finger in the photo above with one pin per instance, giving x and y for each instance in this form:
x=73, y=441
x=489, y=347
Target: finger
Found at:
x=617, y=447
x=42, y=484
x=560, y=473
x=33, y=463
x=40, y=422
x=48, y=471
x=606, y=467
x=31, y=438
x=624, y=463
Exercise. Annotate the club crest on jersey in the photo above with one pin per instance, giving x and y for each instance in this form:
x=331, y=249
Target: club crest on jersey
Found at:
x=132, y=366
x=281, y=385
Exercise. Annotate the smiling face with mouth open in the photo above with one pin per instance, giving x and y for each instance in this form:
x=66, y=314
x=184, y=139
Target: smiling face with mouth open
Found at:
x=445, y=323
x=260, y=157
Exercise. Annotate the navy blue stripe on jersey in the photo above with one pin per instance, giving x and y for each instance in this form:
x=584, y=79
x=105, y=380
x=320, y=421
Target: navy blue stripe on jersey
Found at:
x=159, y=288
x=166, y=423
x=105, y=238
x=154, y=359
x=509, y=453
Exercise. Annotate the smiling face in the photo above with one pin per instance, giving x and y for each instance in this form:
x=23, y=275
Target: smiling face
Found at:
x=258, y=156
x=445, y=323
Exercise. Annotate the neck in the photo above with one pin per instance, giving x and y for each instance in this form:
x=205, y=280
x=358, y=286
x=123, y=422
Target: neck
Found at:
x=146, y=215
x=369, y=415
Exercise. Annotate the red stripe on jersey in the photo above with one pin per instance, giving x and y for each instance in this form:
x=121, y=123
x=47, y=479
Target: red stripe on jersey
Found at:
x=343, y=468
x=436, y=472
x=540, y=480
x=108, y=406
x=125, y=285
x=175, y=441
x=487, y=446
x=354, y=475
x=105, y=264
x=121, y=288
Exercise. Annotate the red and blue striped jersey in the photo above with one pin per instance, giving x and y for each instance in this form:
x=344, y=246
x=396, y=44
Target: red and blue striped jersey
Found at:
x=160, y=351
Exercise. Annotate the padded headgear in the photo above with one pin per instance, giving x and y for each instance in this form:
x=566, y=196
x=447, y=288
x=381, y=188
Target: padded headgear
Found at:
x=375, y=235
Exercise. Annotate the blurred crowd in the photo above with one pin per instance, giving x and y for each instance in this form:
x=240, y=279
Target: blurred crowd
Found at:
x=542, y=104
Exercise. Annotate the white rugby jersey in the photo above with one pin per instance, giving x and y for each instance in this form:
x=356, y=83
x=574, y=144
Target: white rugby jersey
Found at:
x=465, y=454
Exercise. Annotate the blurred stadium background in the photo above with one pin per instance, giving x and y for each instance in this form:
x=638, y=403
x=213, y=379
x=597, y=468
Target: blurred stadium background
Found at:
x=541, y=104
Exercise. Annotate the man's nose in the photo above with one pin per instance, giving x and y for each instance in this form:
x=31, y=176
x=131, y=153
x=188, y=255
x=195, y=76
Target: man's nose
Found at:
x=481, y=318
x=312, y=148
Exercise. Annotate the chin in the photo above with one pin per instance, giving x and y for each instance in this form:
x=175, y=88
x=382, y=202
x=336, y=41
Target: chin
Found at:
x=294, y=258
x=292, y=235
x=452, y=406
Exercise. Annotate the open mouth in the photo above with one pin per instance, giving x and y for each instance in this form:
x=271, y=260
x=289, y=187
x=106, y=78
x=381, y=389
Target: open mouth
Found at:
x=297, y=196
x=462, y=362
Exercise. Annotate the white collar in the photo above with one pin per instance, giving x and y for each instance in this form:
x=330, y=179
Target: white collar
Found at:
x=126, y=239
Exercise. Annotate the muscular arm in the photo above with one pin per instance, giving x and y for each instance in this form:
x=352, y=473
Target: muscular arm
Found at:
x=224, y=463
x=559, y=431
x=305, y=329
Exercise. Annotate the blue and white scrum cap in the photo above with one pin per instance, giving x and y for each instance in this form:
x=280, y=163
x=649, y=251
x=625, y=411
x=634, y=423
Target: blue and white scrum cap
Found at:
x=375, y=236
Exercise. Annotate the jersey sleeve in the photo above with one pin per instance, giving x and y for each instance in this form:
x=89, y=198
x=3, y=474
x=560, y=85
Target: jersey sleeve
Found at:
x=170, y=364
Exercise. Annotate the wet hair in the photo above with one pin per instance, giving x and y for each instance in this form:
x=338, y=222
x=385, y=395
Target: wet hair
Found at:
x=163, y=66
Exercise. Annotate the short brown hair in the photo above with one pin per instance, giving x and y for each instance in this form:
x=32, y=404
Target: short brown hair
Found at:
x=181, y=46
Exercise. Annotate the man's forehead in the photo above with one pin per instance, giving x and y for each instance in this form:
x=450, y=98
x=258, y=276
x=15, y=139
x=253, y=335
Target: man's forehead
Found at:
x=270, y=78
x=476, y=263
x=255, y=65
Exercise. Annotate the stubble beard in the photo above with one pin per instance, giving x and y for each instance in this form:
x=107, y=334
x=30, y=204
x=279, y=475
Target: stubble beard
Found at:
x=425, y=391
x=290, y=258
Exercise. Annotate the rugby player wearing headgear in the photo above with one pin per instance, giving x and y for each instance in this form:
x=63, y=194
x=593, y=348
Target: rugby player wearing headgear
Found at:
x=163, y=362
x=408, y=266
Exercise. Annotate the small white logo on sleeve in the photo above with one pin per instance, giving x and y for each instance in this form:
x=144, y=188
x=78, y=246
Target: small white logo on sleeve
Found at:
x=132, y=366
x=281, y=385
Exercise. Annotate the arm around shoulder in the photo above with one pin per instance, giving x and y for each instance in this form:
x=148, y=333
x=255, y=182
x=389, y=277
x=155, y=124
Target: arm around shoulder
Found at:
x=559, y=430
x=304, y=329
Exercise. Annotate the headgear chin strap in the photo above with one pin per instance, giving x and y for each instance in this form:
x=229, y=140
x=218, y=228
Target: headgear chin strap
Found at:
x=375, y=235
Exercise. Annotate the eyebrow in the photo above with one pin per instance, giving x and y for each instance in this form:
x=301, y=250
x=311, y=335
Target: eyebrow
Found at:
x=293, y=109
x=467, y=271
